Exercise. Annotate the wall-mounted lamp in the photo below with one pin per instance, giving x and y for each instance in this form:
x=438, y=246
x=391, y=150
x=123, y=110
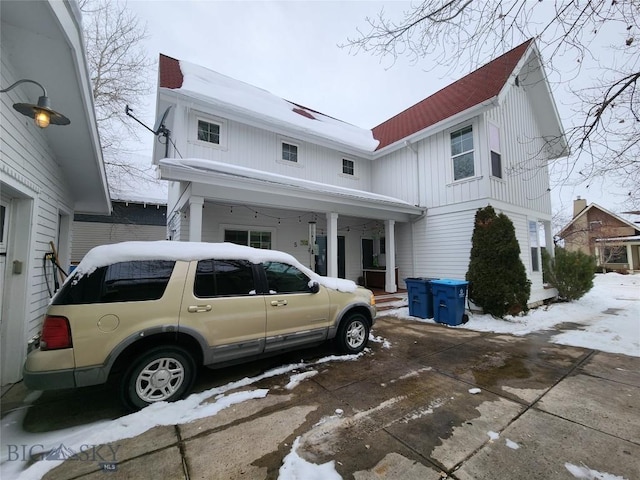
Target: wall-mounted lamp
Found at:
x=42, y=113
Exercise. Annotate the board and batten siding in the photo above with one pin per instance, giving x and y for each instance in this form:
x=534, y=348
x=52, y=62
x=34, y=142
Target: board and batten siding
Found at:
x=40, y=203
x=260, y=149
x=525, y=181
x=394, y=175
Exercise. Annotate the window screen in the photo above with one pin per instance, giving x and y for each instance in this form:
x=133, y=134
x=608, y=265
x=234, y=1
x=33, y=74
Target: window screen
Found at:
x=221, y=278
x=208, y=132
x=462, y=153
x=289, y=152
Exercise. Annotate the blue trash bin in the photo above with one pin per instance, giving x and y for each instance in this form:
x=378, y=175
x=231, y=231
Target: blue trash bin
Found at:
x=448, y=301
x=419, y=297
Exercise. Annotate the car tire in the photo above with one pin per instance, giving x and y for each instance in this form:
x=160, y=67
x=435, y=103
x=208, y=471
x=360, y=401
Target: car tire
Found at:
x=353, y=334
x=164, y=373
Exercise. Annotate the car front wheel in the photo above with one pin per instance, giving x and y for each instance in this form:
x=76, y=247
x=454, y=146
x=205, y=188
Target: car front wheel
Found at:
x=164, y=373
x=353, y=334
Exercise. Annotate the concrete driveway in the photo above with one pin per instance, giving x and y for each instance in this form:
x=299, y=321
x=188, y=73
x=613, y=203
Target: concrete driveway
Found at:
x=405, y=409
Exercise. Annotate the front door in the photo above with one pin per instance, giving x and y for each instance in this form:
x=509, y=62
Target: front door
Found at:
x=321, y=257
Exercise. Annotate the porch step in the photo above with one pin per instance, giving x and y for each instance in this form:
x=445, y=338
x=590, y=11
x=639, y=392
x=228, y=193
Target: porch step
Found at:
x=390, y=301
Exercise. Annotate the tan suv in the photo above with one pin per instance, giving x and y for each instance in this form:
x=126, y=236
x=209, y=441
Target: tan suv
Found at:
x=148, y=314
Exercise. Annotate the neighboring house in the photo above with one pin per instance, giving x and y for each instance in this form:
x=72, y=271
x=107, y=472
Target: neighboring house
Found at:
x=375, y=205
x=611, y=239
x=48, y=174
x=129, y=220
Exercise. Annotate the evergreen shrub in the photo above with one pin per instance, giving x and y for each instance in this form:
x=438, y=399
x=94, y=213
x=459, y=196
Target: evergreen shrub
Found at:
x=497, y=277
x=571, y=273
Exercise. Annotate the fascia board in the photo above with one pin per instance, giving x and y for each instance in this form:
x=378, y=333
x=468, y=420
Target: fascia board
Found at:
x=202, y=181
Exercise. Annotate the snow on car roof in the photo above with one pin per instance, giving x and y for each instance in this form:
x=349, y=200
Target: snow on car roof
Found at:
x=104, y=255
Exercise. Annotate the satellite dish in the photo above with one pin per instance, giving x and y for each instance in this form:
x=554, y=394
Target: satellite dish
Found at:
x=159, y=126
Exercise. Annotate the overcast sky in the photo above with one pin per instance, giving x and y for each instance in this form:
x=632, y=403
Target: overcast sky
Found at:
x=292, y=50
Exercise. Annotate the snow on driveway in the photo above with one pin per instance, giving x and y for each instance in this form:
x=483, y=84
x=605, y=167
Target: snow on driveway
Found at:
x=607, y=318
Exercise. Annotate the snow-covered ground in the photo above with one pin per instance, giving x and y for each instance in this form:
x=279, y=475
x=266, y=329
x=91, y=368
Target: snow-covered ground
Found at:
x=607, y=318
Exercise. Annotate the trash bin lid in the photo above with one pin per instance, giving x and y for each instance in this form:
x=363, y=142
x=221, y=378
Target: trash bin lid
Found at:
x=449, y=281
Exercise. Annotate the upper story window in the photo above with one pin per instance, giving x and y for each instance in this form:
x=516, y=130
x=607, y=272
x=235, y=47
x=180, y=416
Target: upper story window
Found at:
x=209, y=132
x=496, y=151
x=462, y=153
x=289, y=152
x=348, y=166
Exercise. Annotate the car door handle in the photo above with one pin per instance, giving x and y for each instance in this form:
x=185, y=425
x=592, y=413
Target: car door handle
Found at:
x=199, y=308
x=278, y=303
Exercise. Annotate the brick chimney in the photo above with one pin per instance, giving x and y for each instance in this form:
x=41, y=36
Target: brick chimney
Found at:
x=579, y=204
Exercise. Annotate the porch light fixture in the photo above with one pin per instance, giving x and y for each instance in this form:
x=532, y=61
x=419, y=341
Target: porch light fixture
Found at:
x=42, y=113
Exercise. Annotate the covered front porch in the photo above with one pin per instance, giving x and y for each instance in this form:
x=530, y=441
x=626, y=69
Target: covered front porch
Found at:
x=335, y=231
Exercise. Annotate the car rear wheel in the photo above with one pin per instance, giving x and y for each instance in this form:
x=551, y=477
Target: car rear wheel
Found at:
x=162, y=374
x=353, y=334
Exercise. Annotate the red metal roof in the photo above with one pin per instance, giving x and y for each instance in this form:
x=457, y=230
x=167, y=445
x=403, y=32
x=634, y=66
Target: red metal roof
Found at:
x=473, y=89
x=170, y=73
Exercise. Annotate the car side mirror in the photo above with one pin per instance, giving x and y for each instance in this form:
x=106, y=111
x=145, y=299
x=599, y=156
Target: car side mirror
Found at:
x=315, y=287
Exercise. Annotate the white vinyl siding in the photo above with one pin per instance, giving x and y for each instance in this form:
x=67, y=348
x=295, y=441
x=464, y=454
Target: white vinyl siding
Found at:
x=257, y=148
x=33, y=179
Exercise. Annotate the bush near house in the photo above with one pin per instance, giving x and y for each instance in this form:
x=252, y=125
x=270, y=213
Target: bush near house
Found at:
x=571, y=273
x=498, y=279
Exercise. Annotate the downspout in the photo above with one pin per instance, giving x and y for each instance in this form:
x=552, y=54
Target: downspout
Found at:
x=415, y=151
x=408, y=144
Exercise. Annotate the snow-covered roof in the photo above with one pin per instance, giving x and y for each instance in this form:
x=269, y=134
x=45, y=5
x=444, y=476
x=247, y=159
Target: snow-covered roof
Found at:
x=239, y=97
x=250, y=173
x=104, y=255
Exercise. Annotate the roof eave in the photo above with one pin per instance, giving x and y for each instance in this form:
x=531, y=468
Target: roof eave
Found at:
x=437, y=127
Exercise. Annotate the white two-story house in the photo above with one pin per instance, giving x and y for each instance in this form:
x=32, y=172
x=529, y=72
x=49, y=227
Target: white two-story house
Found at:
x=375, y=206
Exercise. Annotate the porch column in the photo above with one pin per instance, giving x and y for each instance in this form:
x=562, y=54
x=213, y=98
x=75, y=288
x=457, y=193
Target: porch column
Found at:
x=390, y=256
x=629, y=258
x=195, y=218
x=332, y=244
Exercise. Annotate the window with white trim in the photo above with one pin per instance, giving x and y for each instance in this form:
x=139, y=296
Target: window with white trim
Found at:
x=251, y=238
x=496, y=150
x=462, y=153
x=289, y=152
x=348, y=166
x=534, y=243
x=209, y=132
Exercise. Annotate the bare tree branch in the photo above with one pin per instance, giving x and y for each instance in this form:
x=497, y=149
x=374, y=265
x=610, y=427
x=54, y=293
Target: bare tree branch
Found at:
x=452, y=33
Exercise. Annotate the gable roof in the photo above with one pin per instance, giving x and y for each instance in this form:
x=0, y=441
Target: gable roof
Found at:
x=251, y=103
x=476, y=88
x=473, y=89
x=584, y=211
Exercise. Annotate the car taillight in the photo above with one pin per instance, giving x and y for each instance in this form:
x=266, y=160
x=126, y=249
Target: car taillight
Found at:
x=56, y=333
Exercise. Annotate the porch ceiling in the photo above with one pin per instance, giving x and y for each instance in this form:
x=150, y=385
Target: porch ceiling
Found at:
x=215, y=181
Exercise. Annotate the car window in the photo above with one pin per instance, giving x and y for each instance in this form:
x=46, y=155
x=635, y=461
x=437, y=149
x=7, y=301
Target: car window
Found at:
x=134, y=281
x=285, y=278
x=218, y=278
